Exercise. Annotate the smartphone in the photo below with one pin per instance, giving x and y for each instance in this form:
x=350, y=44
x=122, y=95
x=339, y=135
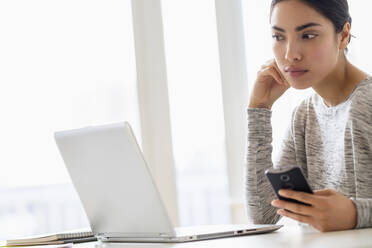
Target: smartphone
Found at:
x=288, y=178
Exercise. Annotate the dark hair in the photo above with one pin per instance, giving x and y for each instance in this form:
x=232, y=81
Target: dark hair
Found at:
x=337, y=11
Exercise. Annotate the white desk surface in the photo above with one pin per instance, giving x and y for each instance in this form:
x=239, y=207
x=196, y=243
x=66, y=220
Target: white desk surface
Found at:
x=291, y=236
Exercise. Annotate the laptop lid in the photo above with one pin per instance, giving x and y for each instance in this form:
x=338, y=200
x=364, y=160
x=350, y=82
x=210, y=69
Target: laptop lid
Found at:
x=113, y=181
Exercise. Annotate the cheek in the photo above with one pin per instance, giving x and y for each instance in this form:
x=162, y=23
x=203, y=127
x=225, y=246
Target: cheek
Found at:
x=322, y=58
x=279, y=54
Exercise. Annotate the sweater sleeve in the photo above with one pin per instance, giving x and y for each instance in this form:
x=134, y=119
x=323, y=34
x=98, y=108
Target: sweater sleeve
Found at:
x=364, y=210
x=259, y=193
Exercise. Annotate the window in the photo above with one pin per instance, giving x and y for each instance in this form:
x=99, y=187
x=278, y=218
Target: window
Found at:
x=63, y=64
x=359, y=47
x=191, y=49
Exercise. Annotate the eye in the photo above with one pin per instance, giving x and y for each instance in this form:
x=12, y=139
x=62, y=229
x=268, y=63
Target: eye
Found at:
x=278, y=37
x=309, y=36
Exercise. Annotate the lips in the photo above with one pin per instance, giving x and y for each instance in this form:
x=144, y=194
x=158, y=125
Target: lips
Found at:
x=295, y=71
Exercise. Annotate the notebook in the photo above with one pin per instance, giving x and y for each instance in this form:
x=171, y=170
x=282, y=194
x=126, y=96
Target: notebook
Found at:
x=53, y=239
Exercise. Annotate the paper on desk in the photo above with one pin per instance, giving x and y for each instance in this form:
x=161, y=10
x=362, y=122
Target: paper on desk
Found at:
x=67, y=245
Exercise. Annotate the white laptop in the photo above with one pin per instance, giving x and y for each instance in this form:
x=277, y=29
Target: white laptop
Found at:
x=119, y=194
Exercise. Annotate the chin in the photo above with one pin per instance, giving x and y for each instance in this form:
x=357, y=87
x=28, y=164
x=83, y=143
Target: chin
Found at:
x=300, y=85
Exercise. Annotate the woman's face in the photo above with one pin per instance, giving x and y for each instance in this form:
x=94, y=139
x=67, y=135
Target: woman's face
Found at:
x=304, y=43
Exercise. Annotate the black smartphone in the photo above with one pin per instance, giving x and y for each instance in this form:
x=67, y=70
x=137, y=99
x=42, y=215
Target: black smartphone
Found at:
x=288, y=178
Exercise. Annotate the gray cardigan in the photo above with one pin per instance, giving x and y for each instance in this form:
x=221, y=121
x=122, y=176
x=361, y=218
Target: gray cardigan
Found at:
x=332, y=146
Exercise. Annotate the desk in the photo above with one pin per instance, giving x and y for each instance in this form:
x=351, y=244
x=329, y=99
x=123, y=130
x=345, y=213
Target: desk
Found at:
x=293, y=236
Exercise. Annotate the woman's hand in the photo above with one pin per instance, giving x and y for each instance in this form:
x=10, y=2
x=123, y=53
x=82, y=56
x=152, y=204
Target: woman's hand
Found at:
x=269, y=86
x=328, y=210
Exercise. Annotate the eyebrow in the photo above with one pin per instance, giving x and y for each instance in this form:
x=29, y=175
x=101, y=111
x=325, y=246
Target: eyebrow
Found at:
x=299, y=28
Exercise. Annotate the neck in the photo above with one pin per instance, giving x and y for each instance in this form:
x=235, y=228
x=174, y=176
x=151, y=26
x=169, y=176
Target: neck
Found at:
x=339, y=84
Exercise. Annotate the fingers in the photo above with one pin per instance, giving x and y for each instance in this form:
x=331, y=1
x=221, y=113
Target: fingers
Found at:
x=269, y=62
x=271, y=71
x=281, y=75
x=293, y=207
x=275, y=74
x=272, y=68
x=298, y=217
x=299, y=196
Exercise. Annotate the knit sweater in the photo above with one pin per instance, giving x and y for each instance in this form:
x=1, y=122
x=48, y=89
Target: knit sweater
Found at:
x=331, y=145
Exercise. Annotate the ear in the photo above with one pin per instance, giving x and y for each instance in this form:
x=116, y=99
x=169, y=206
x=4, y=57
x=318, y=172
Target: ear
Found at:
x=345, y=36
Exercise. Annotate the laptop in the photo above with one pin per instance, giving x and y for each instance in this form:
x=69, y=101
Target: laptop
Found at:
x=119, y=194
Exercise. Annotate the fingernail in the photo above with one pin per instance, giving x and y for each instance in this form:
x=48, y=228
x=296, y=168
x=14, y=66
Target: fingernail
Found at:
x=275, y=203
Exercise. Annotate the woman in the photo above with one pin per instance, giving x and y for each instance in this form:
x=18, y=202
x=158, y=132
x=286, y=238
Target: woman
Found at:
x=330, y=136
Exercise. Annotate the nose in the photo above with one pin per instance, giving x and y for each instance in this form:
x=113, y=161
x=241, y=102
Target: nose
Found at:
x=292, y=52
